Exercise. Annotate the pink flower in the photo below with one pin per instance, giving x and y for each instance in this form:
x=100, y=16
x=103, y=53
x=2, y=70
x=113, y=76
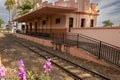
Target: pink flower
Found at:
x=21, y=70
x=2, y=72
x=47, y=66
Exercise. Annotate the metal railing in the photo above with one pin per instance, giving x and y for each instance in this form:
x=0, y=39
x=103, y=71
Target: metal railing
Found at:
x=96, y=47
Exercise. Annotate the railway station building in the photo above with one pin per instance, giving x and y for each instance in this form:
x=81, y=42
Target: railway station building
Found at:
x=69, y=17
x=60, y=17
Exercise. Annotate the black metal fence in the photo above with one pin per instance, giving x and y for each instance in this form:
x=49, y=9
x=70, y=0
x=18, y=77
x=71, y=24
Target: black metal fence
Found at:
x=98, y=48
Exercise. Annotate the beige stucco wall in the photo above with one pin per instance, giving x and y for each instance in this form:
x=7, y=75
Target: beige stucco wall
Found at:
x=109, y=35
x=83, y=5
x=77, y=20
x=87, y=20
x=62, y=21
x=50, y=22
x=83, y=11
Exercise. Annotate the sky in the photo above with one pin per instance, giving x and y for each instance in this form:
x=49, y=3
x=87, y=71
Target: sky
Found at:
x=3, y=12
x=109, y=10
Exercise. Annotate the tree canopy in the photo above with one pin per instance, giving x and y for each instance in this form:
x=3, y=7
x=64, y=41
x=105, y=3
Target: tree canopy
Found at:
x=36, y=1
x=107, y=23
x=25, y=7
x=1, y=22
x=9, y=4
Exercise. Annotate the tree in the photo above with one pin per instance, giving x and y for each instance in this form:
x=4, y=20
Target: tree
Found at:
x=9, y=6
x=25, y=7
x=107, y=23
x=1, y=22
x=36, y=1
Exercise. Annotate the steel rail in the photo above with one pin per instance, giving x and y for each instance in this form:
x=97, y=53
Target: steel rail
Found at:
x=75, y=77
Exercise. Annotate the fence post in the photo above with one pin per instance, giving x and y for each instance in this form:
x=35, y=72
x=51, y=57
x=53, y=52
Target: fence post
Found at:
x=52, y=36
x=77, y=40
x=99, y=50
x=118, y=58
x=63, y=37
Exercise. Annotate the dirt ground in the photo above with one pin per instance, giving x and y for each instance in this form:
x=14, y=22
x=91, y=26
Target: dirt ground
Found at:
x=12, y=52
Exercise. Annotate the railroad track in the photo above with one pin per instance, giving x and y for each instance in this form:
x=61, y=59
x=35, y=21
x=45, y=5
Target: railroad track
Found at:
x=77, y=72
